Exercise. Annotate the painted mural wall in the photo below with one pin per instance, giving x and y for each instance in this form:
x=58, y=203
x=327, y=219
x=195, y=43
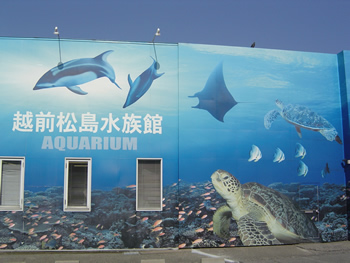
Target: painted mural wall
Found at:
x=110, y=102
x=257, y=122
x=344, y=75
x=251, y=142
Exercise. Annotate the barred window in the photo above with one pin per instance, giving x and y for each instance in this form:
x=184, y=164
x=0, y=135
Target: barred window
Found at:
x=149, y=188
x=11, y=183
x=77, y=185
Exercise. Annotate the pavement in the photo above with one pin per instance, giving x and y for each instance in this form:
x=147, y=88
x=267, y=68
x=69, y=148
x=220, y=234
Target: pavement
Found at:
x=335, y=252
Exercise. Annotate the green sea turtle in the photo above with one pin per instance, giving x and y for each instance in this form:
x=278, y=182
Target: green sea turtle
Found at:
x=302, y=117
x=263, y=215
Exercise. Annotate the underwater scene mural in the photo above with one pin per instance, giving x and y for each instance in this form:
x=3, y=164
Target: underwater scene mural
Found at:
x=281, y=174
x=113, y=222
x=252, y=144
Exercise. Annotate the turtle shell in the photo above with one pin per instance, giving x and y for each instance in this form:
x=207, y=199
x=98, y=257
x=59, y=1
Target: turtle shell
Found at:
x=305, y=117
x=278, y=209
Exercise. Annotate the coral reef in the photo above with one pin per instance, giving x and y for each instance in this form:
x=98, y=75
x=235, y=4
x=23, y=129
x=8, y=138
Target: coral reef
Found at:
x=186, y=219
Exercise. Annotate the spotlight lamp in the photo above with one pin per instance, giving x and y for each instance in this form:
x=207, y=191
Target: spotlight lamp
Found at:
x=56, y=31
x=157, y=34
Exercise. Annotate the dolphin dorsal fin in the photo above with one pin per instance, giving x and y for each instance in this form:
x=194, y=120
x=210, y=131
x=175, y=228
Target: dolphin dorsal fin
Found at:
x=104, y=55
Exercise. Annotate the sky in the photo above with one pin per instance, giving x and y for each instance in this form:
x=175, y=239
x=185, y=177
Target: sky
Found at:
x=300, y=25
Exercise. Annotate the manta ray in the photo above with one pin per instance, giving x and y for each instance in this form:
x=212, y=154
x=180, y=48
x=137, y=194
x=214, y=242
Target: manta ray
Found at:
x=142, y=83
x=215, y=97
x=76, y=72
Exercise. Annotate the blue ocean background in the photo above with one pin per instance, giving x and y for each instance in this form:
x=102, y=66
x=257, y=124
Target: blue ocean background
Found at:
x=193, y=144
x=27, y=60
x=256, y=78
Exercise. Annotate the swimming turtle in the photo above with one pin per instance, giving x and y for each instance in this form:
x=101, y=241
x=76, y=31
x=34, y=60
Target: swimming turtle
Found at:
x=302, y=117
x=263, y=215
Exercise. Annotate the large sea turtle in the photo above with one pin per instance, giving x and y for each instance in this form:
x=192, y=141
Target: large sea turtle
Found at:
x=263, y=215
x=302, y=117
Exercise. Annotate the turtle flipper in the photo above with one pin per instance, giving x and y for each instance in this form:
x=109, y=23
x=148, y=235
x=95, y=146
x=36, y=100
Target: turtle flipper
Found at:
x=221, y=221
x=297, y=128
x=255, y=233
x=270, y=117
x=331, y=135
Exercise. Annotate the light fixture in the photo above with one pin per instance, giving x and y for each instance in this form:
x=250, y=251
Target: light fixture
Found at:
x=157, y=34
x=154, y=46
x=56, y=32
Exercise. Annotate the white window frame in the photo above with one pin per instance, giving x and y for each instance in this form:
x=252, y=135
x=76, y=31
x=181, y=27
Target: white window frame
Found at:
x=18, y=207
x=83, y=208
x=160, y=208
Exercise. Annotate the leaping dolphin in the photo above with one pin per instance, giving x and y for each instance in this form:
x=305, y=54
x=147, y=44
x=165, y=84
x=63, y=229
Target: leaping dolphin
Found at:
x=142, y=83
x=76, y=72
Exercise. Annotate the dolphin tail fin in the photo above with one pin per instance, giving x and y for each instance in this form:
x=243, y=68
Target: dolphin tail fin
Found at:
x=130, y=81
x=77, y=90
x=104, y=55
x=157, y=75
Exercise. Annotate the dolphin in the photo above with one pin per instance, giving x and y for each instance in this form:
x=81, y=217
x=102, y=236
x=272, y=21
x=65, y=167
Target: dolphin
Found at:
x=142, y=83
x=76, y=72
